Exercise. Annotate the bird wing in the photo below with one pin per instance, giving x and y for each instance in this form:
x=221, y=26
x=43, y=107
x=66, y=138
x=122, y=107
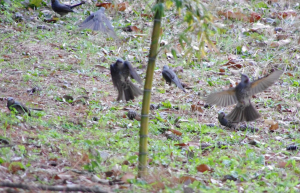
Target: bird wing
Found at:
x=67, y=8
x=132, y=72
x=169, y=74
x=115, y=76
x=223, y=98
x=116, y=79
x=107, y=27
x=88, y=22
x=99, y=22
x=263, y=83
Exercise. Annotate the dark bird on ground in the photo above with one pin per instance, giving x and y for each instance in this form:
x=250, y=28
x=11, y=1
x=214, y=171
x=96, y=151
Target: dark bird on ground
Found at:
x=223, y=121
x=241, y=94
x=18, y=107
x=120, y=72
x=170, y=76
x=99, y=22
x=63, y=9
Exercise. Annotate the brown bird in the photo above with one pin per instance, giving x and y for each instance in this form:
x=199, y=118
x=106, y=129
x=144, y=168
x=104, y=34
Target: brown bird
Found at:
x=241, y=94
x=120, y=72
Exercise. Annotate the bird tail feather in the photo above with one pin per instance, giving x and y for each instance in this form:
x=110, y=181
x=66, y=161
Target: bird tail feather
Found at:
x=72, y=6
x=239, y=114
x=132, y=91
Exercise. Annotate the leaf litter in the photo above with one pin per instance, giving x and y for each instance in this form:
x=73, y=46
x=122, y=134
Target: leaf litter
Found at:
x=59, y=141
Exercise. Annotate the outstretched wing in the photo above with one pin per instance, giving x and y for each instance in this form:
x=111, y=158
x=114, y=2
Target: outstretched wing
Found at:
x=263, y=83
x=99, y=22
x=223, y=98
x=132, y=72
x=88, y=23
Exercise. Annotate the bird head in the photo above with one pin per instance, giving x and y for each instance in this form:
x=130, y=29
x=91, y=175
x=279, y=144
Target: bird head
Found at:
x=165, y=67
x=244, y=78
x=119, y=63
x=221, y=115
x=10, y=100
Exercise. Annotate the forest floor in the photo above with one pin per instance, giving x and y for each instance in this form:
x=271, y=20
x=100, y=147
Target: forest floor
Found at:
x=83, y=136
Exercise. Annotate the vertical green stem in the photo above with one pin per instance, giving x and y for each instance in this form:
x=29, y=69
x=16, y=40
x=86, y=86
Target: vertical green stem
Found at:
x=143, y=151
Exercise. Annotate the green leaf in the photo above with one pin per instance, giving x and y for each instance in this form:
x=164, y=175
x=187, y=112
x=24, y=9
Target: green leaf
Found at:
x=35, y=3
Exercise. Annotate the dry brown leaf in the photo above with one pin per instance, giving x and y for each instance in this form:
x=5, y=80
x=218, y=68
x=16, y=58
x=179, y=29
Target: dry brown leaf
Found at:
x=285, y=14
x=284, y=165
x=121, y=6
x=222, y=70
x=274, y=127
x=183, y=179
x=146, y=15
x=109, y=174
x=196, y=108
x=175, y=132
x=158, y=185
x=127, y=177
x=234, y=15
x=233, y=64
x=274, y=45
x=136, y=29
x=15, y=167
x=182, y=144
x=203, y=168
x=254, y=17
x=281, y=36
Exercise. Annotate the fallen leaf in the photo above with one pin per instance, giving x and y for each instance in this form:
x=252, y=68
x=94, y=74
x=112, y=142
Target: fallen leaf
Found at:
x=274, y=127
x=203, y=168
x=284, y=165
x=158, y=185
x=146, y=15
x=183, y=179
x=234, y=63
x=234, y=15
x=126, y=178
x=121, y=6
x=196, y=107
x=285, y=14
x=254, y=17
x=175, y=132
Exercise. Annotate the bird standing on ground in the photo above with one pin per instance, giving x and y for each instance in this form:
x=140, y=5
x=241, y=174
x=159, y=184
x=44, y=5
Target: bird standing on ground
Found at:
x=99, y=22
x=18, y=106
x=241, y=94
x=223, y=121
x=170, y=76
x=120, y=72
x=63, y=9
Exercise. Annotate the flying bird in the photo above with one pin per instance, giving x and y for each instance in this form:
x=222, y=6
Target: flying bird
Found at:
x=170, y=76
x=241, y=94
x=99, y=22
x=63, y=9
x=120, y=72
